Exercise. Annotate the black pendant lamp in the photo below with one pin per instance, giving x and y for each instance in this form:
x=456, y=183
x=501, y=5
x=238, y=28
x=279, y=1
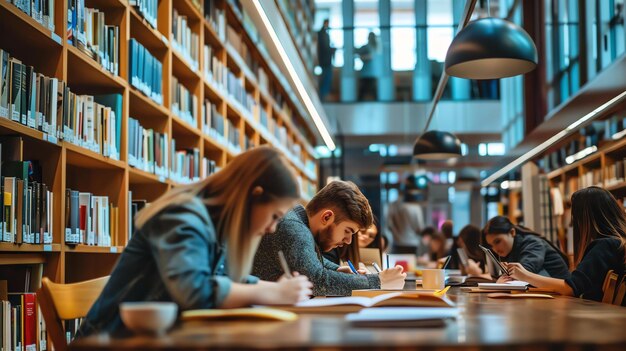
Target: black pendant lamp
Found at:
x=437, y=145
x=491, y=48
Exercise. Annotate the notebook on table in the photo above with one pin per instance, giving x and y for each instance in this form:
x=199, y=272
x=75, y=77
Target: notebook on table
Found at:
x=356, y=303
x=252, y=313
x=510, y=285
x=402, y=317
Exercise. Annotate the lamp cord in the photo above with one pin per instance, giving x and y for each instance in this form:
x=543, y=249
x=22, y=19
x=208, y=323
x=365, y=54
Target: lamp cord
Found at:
x=443, y=80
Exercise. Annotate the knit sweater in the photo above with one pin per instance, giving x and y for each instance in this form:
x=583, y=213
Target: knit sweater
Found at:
x=294, y=237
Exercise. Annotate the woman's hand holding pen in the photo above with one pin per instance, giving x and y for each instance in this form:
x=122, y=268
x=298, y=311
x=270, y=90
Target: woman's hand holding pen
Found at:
x=288, y=291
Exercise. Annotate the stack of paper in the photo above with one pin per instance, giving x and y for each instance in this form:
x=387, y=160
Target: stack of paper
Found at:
x=511, y=285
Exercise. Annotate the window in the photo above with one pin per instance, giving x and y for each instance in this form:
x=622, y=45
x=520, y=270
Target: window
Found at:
x=403, y=40
x=440, y=29
x=491, y=149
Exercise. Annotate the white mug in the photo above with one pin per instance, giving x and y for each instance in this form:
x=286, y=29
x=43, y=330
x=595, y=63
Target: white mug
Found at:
x=433, y=279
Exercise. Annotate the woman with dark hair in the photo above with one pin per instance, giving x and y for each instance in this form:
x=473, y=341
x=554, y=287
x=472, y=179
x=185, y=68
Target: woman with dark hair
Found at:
x=600, y=227
x=518, y=244
x=468, y=241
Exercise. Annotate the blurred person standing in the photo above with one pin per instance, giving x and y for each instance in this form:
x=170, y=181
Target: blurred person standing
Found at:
x=325, y=60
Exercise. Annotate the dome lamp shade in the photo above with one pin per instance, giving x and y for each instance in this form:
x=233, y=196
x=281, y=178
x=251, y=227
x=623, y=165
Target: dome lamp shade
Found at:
x=437, y=145
x=491, y=48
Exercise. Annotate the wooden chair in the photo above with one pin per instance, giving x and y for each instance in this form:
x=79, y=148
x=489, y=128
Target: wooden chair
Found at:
x=620, y=294
x=608, y=288
x=59, y=302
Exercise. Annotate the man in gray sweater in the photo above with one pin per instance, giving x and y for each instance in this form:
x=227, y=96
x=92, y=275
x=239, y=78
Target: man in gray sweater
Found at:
x=330, y=220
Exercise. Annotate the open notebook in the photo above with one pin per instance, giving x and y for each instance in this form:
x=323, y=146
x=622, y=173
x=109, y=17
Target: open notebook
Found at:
x=356, y=303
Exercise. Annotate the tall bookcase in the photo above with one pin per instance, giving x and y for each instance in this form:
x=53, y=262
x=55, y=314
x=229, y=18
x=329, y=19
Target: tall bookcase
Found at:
x=69, y=166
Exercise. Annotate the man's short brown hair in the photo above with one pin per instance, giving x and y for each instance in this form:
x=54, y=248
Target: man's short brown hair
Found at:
x=345, y=200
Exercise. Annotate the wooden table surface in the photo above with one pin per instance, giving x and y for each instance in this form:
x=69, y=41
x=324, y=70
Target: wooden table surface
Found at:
x=522, y=324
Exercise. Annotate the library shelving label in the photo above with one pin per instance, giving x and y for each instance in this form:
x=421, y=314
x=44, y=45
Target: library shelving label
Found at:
x=47, y=248
x=113, y=249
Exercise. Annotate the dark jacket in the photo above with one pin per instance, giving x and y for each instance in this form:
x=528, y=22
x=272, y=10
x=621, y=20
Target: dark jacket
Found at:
x=175, y=257
x=295, y=239
x=600, y=256
x=324, y=51
x=537, y=256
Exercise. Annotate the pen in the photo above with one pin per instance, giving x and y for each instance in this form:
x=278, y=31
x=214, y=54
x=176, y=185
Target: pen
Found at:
x=352, y=267
x=445, y=263
x=376, y=267
x=283, y=263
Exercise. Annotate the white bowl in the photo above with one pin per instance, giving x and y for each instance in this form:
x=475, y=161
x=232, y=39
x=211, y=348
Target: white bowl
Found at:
x=148, y=317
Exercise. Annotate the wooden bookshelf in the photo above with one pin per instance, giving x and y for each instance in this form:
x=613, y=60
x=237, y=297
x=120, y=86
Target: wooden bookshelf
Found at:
x=69, y=166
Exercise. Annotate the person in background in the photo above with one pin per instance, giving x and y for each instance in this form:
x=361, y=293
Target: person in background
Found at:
x=330, y=220
x=447, y=229
x=423, y=250
x=325, y=55
x=194, y=245
x=368, y=76
x=438, y=247
x=600, y=227
x=518, y=244
x=468, y=240
x=405, y=219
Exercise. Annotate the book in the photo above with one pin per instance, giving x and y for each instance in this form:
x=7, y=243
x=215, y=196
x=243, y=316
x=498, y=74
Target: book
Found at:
x=510, y=285
x=402, y=317
x=519, y=296
x=254, y=313
x=356, y=303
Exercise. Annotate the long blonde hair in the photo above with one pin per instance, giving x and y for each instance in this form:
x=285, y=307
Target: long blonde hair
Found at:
x=228, y=193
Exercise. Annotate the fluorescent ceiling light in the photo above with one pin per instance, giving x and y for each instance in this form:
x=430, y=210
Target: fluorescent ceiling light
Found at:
x=581, y=154
x=554, y=139
x=317, y=119
x=619, y=135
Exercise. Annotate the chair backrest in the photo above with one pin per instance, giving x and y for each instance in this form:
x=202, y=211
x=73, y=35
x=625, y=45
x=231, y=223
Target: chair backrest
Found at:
x=59, y=302
x=620, y=293
x=608, y=288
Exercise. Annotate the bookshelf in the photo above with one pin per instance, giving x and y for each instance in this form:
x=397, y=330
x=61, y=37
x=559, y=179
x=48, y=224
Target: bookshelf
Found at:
x=66, y=165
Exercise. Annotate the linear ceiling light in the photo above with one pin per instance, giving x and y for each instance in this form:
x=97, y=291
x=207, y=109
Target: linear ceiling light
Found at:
x=317, y=119
x=554, y=139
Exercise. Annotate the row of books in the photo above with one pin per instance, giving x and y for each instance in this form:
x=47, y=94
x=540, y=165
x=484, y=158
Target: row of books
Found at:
x=235, y=87
x=184, y=41
x=233, y=137
x=26, y=206
x=590, y=177
x=134, y=206
x=215, y=71
x=26, y=96
x=184, y=103
x=47, y=104
x=22, y=324
x=93, y=122
x=89, y=219
x=147, y=149
x=87, y=30
x=185, y=167
x=615, y=172
x=148, y=9
x=212, y=121
x=41, y=10
x=145, y=71
x=207, y=167
x=216, y=18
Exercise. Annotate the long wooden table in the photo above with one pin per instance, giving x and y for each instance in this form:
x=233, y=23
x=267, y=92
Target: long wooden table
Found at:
x=562, y=323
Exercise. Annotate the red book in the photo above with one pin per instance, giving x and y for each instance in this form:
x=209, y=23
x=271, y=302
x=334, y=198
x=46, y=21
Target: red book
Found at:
x=30, y=321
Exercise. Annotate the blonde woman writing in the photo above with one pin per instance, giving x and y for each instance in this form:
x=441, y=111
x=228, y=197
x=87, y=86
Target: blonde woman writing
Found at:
x=195, y=245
